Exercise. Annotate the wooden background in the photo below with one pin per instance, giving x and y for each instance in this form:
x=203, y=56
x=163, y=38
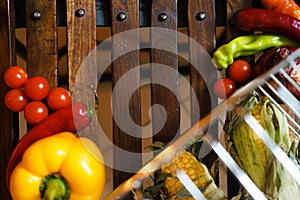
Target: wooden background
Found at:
x=43, y=54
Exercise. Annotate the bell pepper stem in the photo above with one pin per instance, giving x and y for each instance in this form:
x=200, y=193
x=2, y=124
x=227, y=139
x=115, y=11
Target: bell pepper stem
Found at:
x=54, y=187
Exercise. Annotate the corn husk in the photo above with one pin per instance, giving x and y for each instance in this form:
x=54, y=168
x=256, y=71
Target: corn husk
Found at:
x=251, y=153
x=280, y=184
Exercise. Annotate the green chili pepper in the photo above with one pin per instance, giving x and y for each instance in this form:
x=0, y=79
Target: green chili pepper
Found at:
x=248, y=45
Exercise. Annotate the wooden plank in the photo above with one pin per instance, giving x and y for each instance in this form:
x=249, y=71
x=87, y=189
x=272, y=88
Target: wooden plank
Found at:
x=125, y=16
x=202, y=33
x=164, y=15
x=81, y=56
x=41, y=35
x=201, y=18
x=9, y=133
x=81, y=40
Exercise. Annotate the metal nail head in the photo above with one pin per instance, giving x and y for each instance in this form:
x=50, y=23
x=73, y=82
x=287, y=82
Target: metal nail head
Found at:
x=80, y=12
x=36, y=15
x=162, y=17
x=121, y=16
x=200, y=16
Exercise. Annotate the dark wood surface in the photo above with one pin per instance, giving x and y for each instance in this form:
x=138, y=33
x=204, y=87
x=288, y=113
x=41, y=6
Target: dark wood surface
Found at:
x=232, y=7
x=202, y=33
x=201, y=20
x=81, y=58
x=41, y=40
x=104, y=17
x=81, y=43
x=125, y=17
x=164, y=15
x=9, y=131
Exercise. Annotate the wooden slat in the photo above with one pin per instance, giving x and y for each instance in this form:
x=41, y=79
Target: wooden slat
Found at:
x=81, y=40
x=201, y=20
x=201, y=17
x=125, y=16
x=164, y=15
x=8, y=137
x=41, y=35
x=81, y=56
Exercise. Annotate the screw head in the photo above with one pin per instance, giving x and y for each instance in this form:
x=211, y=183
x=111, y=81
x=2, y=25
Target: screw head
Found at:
x=121, y=16
x=200, y=16
x=162, y=17
x=36, y=15
x=80, y=12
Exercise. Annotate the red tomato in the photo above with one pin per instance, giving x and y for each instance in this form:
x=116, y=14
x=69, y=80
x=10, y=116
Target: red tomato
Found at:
x=58, y=98
x=15, y=77
x=224, y=87
x=35, y=111
x=16, y=100
x=37, y=88
x=240, y=71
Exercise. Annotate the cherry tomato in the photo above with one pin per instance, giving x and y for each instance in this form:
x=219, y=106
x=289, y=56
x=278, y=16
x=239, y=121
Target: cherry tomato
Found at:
x=224, y=87
x=240, y=71
x=58, y=98
x=15, y=77
x=37, y=88
x=35, y=111
x=16, y=100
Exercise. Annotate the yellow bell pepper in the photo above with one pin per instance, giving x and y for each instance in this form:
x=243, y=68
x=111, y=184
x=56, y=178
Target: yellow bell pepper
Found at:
x=62, y=166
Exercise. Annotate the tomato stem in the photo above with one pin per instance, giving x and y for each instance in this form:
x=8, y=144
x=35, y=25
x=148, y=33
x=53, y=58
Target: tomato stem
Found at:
x=54, y=187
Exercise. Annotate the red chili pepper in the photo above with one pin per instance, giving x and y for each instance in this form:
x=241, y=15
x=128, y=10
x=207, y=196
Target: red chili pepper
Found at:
x=72, y=118
x=259, y=19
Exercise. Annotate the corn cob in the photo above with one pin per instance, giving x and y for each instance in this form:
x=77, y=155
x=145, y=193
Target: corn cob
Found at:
x=247, y=148
x=252, y=154
x=196, y=171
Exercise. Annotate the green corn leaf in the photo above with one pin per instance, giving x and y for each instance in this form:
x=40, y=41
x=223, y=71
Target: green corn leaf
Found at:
x=275, y=123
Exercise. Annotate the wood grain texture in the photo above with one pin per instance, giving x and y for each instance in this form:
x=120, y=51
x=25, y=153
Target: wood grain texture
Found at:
x=9, y=132
x=232, y=7
x=81, y=58
x=41, y=35
x=81, y=40
x=202, y=33
x=201, y=21
x=125, y=16
x=164, y=15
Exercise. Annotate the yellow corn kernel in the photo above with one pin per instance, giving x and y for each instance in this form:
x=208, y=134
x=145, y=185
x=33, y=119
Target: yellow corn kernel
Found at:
x=197, y=172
